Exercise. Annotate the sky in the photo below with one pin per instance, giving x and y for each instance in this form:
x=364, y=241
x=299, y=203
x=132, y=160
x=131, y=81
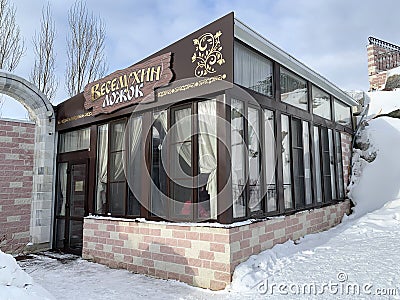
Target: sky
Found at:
x=329, y=36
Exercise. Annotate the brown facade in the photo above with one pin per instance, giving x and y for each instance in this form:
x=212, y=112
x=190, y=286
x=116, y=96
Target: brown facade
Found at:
x=236, y=148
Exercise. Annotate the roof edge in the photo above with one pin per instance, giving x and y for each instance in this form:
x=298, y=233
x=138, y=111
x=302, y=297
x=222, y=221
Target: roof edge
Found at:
x=249, y=36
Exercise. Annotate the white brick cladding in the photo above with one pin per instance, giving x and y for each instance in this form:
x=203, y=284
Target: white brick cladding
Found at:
x=198, y=255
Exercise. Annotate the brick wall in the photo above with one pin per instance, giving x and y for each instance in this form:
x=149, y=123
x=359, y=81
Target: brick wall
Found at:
x=16, y=167
x=346, y=156
x=199, y=255
x=377, y=81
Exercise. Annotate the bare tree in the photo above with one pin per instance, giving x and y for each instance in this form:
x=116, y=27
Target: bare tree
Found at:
x=12, y=46
x=43, y=71
x=85, y=48
x=11, y=43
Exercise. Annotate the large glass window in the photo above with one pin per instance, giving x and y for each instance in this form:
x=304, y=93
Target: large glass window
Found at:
x=112, y=193
x=181, y=161
x=286, y=162
x=317, y=163
x=207, y=149
x=293, y=89
x=158, y=174
x=254, y=159
x=342, y=113
x=270, y=160
x=134, y=162
x=321, y=103
x=339, y=165
x=252, y=70
x=193, y=185
x=101, y=174
x=326, y=165
x=74, y=140
x=298, y=162
x=238, y=151
x=62, y=189
x=117, y=182
x=307, y=163
x=332, y=163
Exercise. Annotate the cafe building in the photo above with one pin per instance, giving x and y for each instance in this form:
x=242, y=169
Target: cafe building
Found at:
x=215, y=148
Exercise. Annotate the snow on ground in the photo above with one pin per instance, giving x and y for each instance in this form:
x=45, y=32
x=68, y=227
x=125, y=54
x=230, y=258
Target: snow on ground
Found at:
x=72, y=278
x=16, y=284
x=383, y=101
x=359, y=258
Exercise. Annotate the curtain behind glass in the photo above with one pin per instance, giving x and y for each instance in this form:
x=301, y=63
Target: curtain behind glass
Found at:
x=286, y=161
x=74, y=140
x=183, y=132
x=238, y=152
x=252, y=70
x=270, y=159
x=317, y=162
x=254, y=159
x=208, y=150
x=102, y=160
x=158, y=174
x=134, y=163
x=62, y=188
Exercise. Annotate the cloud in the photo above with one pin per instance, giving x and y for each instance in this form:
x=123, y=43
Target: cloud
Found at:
x=330, y=36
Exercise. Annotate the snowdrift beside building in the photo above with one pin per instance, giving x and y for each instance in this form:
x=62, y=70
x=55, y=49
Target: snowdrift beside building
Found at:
x=371, y=231
x=15, y=284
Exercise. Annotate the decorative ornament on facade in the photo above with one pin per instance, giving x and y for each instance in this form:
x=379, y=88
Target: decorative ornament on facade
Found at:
x=207, y=53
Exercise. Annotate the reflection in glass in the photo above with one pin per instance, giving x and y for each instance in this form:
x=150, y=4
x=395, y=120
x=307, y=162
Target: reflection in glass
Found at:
x=270, y=160
x=77, y=197
x=298, y=162
x=321, y=103
x=286, y=161
x=326, y=165
x=60, y=233
x=332, y=163
x=62, y=188
x=342, y=113
x=181, y=164
x=254, y=159
x=293, y=89
x=75, y=234
x=317, y=161
x=158, y=175
x=339, y=165
x=117, y=198
x=238, y=153
x=101, y=173
x=307, y=163
x=117, y=181
x=207, y=141
x=133, y=164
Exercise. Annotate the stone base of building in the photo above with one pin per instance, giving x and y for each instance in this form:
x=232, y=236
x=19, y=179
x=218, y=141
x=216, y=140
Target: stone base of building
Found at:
x=200, y=255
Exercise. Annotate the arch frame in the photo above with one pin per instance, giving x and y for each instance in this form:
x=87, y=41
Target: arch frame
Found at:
x=41, y=111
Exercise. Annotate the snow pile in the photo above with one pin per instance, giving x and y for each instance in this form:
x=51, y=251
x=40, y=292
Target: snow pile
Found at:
x=383, y=102
x=376, y=167
x=372, y=232
x=15, y=284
